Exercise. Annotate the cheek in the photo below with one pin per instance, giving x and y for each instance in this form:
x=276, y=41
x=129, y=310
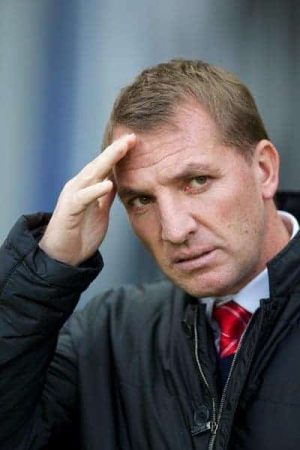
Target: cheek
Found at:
x=237, y=213
x=245, y=229
x=240, y=199
x=145, y=230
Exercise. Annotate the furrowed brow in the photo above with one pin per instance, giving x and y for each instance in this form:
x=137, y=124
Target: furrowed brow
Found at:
x=190, y=170
x=127, y=192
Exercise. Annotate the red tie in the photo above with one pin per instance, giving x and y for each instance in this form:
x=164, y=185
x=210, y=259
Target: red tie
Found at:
x=232, y=319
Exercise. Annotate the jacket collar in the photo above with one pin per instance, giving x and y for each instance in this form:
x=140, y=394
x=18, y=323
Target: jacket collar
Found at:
x=284, y=269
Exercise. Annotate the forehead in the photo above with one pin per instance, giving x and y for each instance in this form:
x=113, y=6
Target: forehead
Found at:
x=191, y=132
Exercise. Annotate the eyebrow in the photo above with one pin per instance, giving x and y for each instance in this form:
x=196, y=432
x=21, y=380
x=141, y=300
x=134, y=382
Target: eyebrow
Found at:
x=189, y=170
x=127, y=192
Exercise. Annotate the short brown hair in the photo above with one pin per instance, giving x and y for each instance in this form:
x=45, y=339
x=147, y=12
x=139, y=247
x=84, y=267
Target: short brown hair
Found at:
x=152, y=98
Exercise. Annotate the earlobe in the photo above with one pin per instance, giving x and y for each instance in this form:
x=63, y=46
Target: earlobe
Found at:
x=267, y=160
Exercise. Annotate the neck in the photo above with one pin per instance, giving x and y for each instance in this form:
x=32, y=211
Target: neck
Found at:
x=277, y=233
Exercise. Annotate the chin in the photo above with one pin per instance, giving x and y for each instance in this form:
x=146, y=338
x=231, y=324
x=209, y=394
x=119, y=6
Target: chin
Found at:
x=204, y=286
x=192, y=287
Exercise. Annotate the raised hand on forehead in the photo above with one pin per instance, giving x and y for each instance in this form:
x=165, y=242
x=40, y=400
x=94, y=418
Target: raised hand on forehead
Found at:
x=81, y=216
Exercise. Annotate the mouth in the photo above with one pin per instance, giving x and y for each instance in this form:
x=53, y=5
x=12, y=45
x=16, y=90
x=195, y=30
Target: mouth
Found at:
x=192, y=262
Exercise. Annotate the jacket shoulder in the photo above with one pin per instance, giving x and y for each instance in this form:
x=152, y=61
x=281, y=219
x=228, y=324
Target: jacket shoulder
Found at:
x=129, y=307
x=143, y=298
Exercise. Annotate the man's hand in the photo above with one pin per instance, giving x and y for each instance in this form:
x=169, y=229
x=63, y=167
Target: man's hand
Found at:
x=80, y=219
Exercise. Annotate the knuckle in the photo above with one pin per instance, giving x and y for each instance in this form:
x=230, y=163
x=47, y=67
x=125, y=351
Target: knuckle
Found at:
x=69, y=185
x=78, y=198
x=89, y=175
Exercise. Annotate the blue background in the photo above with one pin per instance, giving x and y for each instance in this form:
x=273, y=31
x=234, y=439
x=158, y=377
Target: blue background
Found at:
x=62, y=62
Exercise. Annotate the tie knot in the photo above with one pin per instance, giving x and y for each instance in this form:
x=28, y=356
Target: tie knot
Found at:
x=232, y=319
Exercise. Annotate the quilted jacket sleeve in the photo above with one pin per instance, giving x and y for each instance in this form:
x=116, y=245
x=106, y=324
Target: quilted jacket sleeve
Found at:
x=37, y=295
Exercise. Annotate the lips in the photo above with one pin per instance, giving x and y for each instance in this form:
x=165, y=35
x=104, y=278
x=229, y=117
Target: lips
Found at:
x=193, y=261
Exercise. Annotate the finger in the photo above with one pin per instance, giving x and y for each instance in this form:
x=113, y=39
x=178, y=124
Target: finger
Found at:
x=113, y=153
x=101, y=166
x=90, y=194
x=106, y=201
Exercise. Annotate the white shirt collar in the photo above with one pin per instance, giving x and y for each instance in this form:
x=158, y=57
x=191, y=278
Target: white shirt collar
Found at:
x=290, y=222
x=258, y=288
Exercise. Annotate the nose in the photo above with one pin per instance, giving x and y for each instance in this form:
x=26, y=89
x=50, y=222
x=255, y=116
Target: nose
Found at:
x=176, y=220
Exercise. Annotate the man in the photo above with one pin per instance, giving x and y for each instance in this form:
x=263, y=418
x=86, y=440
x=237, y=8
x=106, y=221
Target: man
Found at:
x=157, y=366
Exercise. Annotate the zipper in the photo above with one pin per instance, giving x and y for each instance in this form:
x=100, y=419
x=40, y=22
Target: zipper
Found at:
x=214, y=424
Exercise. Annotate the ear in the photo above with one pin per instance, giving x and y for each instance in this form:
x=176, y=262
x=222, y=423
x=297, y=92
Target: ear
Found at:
x=266, y=160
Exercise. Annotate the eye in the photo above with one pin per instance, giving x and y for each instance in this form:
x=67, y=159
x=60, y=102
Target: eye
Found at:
x=199, y=181
x=139, y=202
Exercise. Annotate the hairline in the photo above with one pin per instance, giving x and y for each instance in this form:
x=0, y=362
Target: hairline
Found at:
x=168, y=121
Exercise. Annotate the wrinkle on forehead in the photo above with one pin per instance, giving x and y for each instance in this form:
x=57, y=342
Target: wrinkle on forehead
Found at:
x=130, y=161
x=153, y=147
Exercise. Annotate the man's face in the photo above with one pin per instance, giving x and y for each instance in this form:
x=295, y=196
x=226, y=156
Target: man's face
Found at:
x=195, y=204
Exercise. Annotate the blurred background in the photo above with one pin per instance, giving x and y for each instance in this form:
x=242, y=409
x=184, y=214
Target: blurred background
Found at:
x=62, y=62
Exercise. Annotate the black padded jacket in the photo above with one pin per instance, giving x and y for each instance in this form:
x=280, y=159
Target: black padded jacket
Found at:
x=136, y=368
